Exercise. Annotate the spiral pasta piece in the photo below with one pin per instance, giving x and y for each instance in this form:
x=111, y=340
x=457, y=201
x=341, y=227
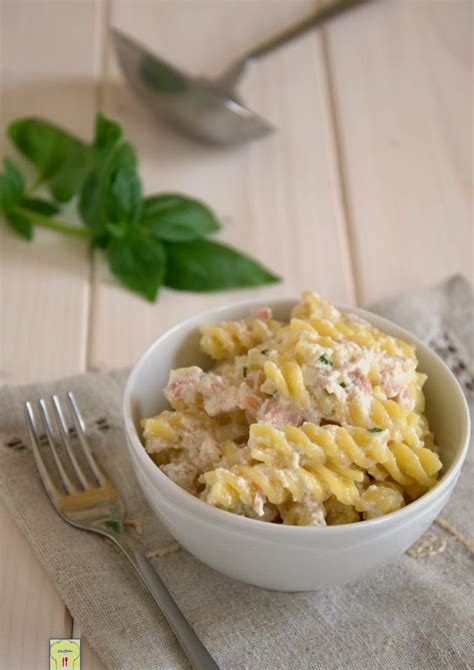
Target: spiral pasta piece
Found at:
x=402, y=424
x=379, y=499
x=227, y=488
x=316, y=445
x=298, y=337
x=419, y=464
x=296, y=514
x=228, y=339
x=327, y=321
x=341, y=448
x=166, y=430
x=287, y=378
x=175, y=429
x=337, y=513
x=313, y=306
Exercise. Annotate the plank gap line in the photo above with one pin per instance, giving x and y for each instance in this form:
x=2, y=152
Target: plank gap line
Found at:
x=335, y=127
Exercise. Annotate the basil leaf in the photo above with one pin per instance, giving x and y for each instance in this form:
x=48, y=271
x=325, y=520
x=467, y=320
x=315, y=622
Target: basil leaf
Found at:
x=203, y=265
x=138, y=262
x=110, y=155
x=61, y=159
x=125, y=199
x=117, y=229
x=40, y=206
x=176, y=218
x=20, y=224
x=99, y=242
x=107, y=132
x=11, y=186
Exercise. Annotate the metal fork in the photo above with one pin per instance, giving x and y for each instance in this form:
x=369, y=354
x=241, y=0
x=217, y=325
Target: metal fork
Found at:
x=97, y=507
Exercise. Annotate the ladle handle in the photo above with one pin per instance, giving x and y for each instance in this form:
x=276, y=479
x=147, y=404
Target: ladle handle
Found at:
x=324, y=14
x=233, y=73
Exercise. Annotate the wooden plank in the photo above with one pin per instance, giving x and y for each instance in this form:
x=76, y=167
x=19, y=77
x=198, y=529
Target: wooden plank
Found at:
x=45, y=285
x=278, y=198
x=31, y=610
x=50, y=63
x=402, y=83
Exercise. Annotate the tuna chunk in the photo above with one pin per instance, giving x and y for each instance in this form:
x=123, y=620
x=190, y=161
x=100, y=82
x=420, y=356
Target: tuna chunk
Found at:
x=191, y=387
x=182, y=387
x=360, y=380
x=395, y=375
x=278, y=413
x=202, y=454
x=250, y=396
x=263, y=313
x=406, y=400
x=218, y=396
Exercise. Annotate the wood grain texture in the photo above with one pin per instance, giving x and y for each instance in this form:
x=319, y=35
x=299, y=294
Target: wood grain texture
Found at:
x=44, y=287
x=402, y=84
x=31, y=610
x=278, y=198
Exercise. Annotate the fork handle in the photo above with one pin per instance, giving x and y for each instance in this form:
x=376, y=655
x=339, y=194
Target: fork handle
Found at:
x=192, y=646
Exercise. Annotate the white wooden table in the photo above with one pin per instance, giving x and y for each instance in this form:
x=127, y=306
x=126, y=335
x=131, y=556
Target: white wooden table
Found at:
x=364, y=191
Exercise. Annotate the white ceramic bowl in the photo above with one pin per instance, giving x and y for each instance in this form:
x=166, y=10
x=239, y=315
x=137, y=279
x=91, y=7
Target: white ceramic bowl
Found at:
x=273, y=556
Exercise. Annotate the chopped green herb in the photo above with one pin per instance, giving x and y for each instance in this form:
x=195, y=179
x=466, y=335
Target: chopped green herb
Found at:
x=375, y=430
x=326, y=361
x=264, y=352
x=343, y=385
x=115, y=526
x=244, y=371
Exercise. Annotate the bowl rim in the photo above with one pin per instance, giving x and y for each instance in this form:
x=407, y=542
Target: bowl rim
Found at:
x=197, y=507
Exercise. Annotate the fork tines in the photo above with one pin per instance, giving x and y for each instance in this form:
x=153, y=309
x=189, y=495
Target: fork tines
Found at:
x=44, y=431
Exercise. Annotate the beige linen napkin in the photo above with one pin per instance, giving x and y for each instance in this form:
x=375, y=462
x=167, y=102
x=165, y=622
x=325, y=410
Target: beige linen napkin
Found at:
x=415, y=613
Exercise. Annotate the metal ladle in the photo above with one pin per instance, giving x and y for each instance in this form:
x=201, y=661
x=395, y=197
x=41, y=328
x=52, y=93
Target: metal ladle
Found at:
x=208, y=110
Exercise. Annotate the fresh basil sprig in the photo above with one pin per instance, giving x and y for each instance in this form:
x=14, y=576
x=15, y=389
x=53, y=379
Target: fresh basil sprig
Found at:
x=148, y=241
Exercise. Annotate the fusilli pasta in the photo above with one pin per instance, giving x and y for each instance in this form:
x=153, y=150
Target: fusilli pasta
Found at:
x=318, y=421
x=232, y=338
